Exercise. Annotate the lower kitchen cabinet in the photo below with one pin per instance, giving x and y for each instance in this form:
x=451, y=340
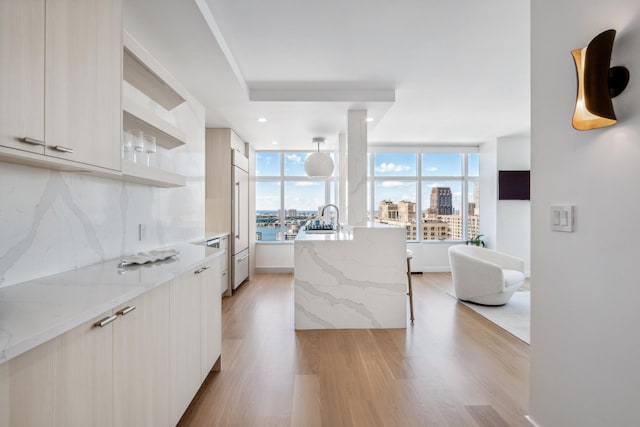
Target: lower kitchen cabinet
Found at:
x=65, y=381
x=195, y=332
x=142, y=367
x=5, y=394
x=141, y=360
x=185, y=320
x=211, y=314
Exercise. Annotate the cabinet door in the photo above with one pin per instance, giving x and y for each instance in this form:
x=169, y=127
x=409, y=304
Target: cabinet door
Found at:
x=211, y=309
x=83, y=394
x=22, y=74
x=83, y=81
x=185, y=331
x=32, y=386
x=5, y=394
x=66, y=381
x=141, y=360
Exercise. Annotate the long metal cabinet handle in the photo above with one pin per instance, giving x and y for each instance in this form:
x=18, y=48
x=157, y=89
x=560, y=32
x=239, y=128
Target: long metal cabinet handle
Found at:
x=128, y=309
x=201, y=269
x=104, y=322
x=238, y=210
x=32, y=141
x=61, y=148
x=243, y=258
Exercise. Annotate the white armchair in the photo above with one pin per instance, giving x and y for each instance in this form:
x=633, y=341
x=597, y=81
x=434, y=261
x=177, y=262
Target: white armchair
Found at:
x=484, y=276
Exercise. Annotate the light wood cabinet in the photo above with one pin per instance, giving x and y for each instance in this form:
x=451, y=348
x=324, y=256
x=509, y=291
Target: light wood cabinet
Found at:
x=220, y=143
x=185, y=330
x=65, y=381
x=5, y=394
x=141, y=360
x=211, y=314
x=22, y=74
x=83, y=81
x=142, y=368
x=83, y=394
x=196, y=332
x=60, y=83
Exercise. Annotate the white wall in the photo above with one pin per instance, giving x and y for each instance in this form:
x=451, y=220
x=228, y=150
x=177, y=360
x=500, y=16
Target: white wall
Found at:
x=54, y=221
x=488, y=194
x=274, y=257
x=513, y=220
x=585, y=287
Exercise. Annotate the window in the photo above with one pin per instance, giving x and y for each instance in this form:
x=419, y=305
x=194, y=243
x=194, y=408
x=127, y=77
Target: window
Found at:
x=285, y=197
x=434, y=194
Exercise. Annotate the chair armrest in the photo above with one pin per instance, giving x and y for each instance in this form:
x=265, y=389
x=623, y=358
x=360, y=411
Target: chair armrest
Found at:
x=474, y=277
x=505, y=261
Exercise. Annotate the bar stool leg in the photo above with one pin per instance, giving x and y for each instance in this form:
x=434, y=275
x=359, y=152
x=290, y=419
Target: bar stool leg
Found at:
x=410, y=293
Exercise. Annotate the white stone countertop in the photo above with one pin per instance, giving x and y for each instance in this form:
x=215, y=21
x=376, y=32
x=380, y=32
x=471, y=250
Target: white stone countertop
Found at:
x=36, y=311
x=346, y=233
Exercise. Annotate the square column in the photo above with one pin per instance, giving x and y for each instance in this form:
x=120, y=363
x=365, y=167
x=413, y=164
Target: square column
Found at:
x=357, y=168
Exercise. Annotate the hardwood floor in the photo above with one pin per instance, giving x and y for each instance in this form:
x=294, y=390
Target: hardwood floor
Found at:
x=451, y=368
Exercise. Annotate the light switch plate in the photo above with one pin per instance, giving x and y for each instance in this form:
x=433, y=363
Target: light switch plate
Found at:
x=562, y=218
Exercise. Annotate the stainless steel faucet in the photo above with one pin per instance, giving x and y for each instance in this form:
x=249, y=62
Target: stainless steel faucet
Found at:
x=337, y=215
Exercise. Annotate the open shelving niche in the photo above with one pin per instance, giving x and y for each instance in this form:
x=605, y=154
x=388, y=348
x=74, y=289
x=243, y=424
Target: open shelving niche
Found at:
x=146, y=74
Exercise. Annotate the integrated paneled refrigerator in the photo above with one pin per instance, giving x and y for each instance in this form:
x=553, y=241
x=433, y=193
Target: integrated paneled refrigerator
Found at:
x=239, y=238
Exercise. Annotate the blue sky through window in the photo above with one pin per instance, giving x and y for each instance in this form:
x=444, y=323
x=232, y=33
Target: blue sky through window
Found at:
x=441, y=164
x=304, y=195
x=267, y=196
x=294, y=164
x=474, y=164
x=395, y=164
x=267, y=164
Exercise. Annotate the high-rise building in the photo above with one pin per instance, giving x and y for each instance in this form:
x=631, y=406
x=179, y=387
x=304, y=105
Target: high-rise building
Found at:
x=387, y=210
x=406, y=211
x=441, y=201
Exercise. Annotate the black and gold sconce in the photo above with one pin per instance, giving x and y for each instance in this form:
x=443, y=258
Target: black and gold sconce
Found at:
x=598, y=83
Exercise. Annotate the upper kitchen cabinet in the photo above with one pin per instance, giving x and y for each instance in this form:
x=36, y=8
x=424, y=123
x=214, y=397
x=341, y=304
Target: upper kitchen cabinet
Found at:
x=60, y=83
x=82, y=81
x=22, y=75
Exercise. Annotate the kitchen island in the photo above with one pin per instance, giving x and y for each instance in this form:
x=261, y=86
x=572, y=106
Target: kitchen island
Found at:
x=354, y=279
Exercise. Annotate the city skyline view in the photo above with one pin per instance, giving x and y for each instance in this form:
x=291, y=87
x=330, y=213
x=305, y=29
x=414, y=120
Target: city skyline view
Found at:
x=282, y=184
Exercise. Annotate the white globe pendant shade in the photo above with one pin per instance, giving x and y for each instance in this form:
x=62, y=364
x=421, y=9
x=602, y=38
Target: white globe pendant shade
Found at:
x=318, y=165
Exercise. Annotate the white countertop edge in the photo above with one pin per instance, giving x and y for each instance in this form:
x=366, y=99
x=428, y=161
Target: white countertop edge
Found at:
x=56, y=329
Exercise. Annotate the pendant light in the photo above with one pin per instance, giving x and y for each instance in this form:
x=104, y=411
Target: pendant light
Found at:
x=318, y=165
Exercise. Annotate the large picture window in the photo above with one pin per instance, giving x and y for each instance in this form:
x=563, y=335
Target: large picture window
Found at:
x=434, y=194
x=285, y=197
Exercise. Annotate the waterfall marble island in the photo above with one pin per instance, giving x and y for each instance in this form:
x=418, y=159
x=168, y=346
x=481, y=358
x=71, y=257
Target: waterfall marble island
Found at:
x=353, y=279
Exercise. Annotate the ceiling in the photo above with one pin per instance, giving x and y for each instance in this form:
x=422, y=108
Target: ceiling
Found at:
x=427, y=72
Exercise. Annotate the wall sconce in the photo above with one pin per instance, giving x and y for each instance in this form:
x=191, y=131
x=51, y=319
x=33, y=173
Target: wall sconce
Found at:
x=318, y=165
x=598, y=83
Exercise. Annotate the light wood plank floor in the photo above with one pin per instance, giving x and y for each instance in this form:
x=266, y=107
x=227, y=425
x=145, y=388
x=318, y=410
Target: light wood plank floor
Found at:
x=451, y=368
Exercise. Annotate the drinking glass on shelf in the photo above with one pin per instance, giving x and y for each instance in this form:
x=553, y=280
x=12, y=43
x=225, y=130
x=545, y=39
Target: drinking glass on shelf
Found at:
x=150, y=147
x=137, y=143
x=127, y=147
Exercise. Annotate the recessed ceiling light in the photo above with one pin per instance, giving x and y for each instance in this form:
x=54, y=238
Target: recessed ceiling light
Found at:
x=262, y=119
x=370, y=119
x=274, y=142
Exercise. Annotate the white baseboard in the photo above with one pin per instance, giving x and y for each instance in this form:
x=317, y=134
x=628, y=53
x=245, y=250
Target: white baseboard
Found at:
x=530, y=421
x=273, y=270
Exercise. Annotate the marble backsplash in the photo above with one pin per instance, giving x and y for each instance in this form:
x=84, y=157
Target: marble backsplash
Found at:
x=53, y=221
